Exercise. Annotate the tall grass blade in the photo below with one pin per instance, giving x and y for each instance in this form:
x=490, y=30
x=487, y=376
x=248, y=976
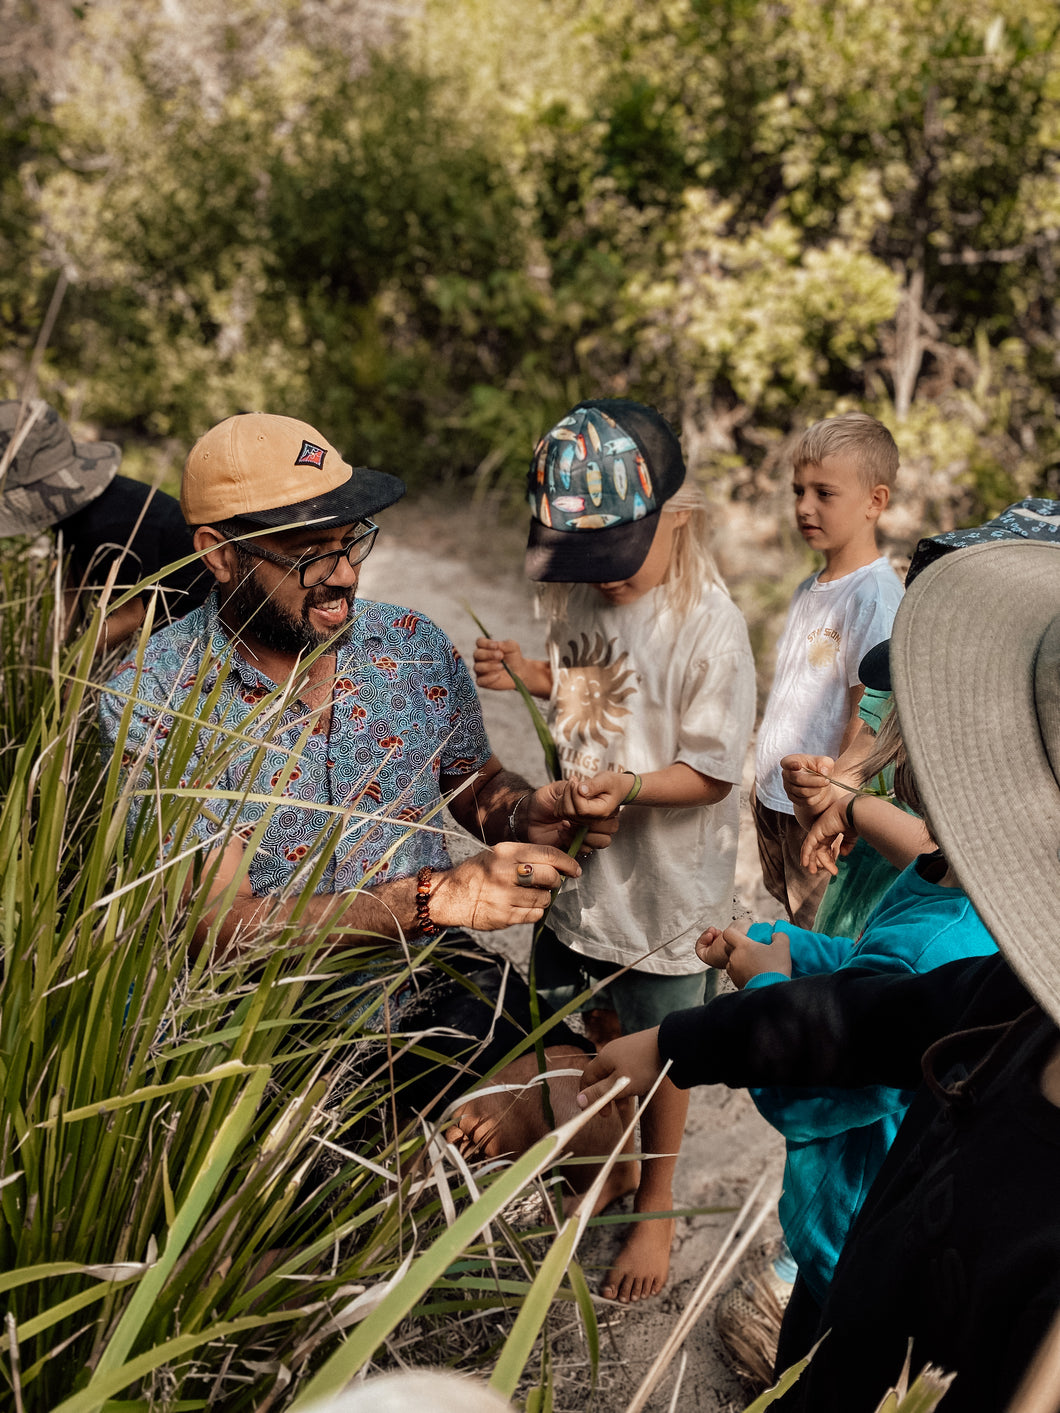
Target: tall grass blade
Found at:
x=399, y=1300
x=544, y=735
x=220, y=1153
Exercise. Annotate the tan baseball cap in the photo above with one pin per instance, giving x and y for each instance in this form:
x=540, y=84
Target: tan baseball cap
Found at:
x=278, y=471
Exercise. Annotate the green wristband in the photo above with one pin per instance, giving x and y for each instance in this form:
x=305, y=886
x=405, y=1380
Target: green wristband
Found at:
x=634, y=789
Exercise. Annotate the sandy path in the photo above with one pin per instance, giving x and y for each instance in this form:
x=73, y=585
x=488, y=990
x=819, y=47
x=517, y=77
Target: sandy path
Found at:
x=431, y=560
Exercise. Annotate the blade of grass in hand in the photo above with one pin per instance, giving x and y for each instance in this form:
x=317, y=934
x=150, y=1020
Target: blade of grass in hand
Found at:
x=879, y=790
x=552, y=764
x=535, y=1002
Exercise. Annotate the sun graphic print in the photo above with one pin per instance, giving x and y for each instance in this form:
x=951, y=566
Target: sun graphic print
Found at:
x=593, y=685
x=822, y=648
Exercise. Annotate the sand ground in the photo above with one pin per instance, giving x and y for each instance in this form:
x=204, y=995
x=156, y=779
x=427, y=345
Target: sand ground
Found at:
x=441, y=563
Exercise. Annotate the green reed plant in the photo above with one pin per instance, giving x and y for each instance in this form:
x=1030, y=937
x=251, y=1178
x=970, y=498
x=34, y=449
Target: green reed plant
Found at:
x=540, y=725
x=168, y=1234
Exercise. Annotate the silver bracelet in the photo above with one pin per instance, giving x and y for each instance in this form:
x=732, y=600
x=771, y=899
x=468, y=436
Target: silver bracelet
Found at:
x=515, y=811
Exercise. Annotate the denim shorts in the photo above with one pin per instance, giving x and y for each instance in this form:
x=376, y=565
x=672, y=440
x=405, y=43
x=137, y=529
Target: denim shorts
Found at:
x=640, y=999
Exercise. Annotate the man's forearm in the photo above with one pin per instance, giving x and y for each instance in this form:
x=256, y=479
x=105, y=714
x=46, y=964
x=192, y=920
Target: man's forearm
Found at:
x=484, y=807
x=363, y=918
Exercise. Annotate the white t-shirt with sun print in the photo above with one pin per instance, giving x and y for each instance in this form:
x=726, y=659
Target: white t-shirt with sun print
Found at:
x=634, y=687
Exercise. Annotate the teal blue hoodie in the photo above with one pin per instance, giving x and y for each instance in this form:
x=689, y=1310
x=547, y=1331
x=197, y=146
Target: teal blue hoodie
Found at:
x=837, y=1138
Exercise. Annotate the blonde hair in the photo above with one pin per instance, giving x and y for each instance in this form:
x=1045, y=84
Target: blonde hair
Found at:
x=691, y=562
x=856, y=434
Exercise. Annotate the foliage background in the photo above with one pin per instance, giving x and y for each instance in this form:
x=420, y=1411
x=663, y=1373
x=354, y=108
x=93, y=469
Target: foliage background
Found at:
x=429, y=227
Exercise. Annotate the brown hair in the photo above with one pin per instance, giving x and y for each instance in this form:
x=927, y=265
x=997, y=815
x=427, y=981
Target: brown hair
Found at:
x=856, y=434
x=889, y=749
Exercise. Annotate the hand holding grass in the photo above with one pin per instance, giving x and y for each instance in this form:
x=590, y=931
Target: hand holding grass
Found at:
x=808, y=781
x=556, y=814
x=600, y=798
x=635, y=1057
x=498, y=662
x=485, y=892
x=734, y=953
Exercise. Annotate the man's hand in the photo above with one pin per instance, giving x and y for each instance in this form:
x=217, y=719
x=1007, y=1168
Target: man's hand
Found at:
x=733, y=952
x=492, y=655
x=634, y=1056
x=508, y=884
x=556, y=812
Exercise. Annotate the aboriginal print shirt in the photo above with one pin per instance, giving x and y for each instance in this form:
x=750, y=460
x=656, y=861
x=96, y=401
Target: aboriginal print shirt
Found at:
x=403, y=711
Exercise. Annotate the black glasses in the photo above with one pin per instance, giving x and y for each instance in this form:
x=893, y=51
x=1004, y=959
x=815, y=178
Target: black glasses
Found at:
x=319, y=568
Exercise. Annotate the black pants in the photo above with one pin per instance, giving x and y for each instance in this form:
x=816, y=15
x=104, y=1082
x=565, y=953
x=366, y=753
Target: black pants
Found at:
x=799, y=1330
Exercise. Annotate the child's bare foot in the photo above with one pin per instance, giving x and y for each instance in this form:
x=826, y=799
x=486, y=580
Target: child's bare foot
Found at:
x=622, y=1178
x=643, y=1263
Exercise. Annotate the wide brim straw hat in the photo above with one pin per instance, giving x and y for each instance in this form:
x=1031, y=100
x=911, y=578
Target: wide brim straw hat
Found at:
x=975, y=659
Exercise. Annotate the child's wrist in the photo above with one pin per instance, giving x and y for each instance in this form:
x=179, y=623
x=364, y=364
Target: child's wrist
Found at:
x=634, y=789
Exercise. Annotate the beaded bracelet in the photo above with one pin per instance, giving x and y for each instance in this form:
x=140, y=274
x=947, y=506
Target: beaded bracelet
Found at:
x=428, y=927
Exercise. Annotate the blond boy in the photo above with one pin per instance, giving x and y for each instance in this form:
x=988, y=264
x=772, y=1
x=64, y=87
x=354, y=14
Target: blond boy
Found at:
x=844, y=471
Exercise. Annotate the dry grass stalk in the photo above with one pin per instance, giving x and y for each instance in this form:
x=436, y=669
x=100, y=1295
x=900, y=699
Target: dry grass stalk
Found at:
x=715, y=1276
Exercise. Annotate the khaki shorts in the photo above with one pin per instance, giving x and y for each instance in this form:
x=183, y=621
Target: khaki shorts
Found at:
x=780, y=840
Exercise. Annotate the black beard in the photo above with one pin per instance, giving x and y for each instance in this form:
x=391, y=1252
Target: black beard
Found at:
x=277, y=629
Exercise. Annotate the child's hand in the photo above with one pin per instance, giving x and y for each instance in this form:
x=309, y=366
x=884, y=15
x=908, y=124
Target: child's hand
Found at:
x=829, y=836
x=598, y=798
x=635, y=1056
x=710, y=948
x=490, y=656
x=733, y=952
x=804, y=784
x=552, y=819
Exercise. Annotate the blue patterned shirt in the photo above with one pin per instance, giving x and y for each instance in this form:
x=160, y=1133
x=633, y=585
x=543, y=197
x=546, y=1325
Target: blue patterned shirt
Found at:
x=403, y=711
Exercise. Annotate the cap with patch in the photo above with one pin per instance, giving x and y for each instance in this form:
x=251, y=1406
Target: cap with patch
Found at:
x=597, y=483
x=44, y=474
x=278, y=471
x=1031, y=519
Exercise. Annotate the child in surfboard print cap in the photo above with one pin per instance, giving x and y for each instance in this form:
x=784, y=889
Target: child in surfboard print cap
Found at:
x=651, y=694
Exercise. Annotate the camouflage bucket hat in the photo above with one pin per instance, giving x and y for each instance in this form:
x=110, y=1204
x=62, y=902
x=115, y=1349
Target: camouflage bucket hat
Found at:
x=597, y=483
x=44, y=474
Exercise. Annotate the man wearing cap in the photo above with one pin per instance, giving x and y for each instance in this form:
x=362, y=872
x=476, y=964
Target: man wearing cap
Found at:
x=47, y=480
x=380, y=722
